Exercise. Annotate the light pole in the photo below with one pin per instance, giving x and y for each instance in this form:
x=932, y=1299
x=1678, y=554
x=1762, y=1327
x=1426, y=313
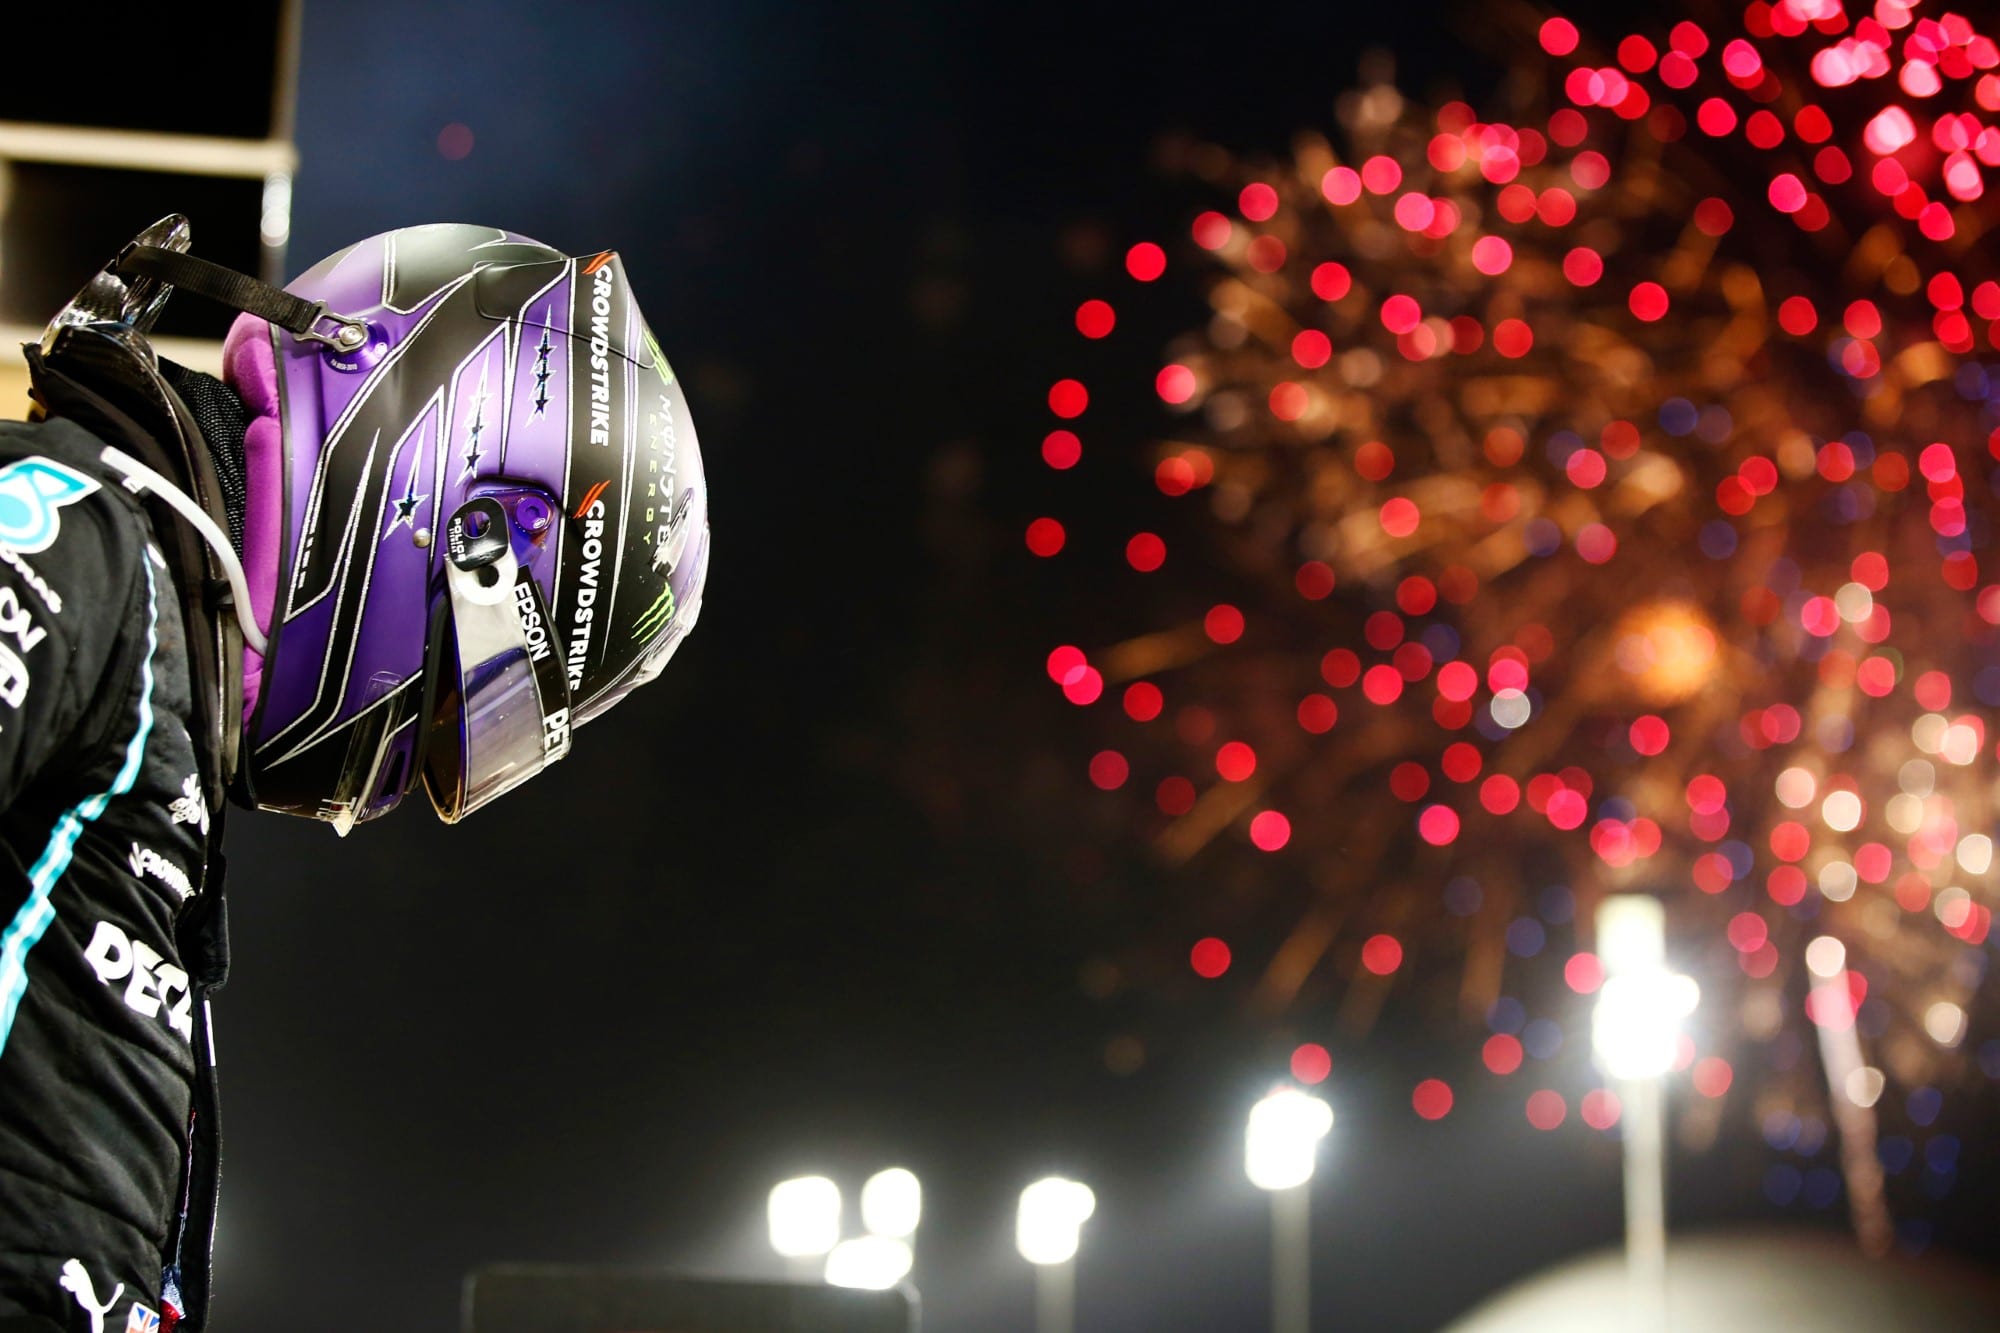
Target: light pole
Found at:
x=1635, y=1033
x=804, y=1216
x=1048, y=1229
x=1279, y=1148
x=1849, y=1093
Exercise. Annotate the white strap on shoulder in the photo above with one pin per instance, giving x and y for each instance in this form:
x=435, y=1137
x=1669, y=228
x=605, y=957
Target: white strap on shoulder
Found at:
x=140, y=480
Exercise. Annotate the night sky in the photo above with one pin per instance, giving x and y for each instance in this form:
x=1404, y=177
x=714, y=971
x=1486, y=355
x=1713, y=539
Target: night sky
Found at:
x=750, y=928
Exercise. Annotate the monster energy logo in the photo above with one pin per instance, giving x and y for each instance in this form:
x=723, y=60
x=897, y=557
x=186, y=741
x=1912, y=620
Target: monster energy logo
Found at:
x=655, y=617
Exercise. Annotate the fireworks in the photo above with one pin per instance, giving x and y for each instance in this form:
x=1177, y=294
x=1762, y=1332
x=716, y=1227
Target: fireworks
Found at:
x=1584, y=495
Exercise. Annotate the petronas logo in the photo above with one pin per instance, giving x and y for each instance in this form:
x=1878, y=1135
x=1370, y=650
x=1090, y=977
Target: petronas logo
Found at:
x=32, y=491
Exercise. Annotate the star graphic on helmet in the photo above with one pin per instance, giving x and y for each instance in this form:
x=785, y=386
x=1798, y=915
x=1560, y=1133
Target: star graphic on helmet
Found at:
x=542, y=351
x=473, y=453
x=406, y=504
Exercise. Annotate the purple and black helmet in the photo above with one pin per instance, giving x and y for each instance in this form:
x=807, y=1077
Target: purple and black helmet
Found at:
x=468, y=535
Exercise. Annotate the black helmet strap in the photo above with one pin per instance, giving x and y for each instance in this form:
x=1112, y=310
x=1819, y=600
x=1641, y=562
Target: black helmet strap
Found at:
x=239, y=291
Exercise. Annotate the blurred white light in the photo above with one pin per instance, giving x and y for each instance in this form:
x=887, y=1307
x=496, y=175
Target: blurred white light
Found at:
x=1826, y=956
x=805, y=1216
x=1841, y=810
x=1636, y=1027
x=1905, y=813
x=1975, y=853
x=1945, y=1022
x=1795, y=787
x=1953, y=907
x=891, y=1203
x=1854, y=602
x=1928, y=732
x=1837, y=881
x=1631, y=933
x=1049, y=1226
x=1960, y=745
x=1864, y=1086
x=873, y=1263
x=1916, y=777
x=275, y=226
x=1511, y=708
x=1283, y=1138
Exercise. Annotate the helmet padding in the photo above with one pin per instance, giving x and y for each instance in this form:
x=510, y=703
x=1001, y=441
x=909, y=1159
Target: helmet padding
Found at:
x=250, y=367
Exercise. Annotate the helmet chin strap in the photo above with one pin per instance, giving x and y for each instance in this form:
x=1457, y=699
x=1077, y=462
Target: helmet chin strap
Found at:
x=142, y=480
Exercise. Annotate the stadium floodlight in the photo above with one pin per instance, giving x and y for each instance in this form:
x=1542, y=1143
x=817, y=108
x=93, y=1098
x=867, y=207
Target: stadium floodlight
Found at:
x=873, y=1263
x=805, y=1216
x=1283, y=1138
x=892, y=1202
x=1049, y=1226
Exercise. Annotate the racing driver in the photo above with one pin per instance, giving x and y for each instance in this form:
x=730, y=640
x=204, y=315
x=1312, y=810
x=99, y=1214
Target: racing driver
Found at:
x=443, y=507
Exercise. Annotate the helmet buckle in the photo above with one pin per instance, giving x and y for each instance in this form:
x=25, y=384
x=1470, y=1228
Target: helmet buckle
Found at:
x=348, y=333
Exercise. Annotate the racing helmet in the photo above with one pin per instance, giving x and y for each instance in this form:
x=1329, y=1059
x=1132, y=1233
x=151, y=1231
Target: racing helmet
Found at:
x=476, y=519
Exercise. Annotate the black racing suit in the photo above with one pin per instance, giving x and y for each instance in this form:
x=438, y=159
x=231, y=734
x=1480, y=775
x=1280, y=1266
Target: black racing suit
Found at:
x=103, y=837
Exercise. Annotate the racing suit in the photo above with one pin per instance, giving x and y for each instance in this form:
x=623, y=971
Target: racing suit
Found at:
x=105, y=849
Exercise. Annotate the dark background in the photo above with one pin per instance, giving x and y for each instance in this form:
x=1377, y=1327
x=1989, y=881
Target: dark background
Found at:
x=731, y=940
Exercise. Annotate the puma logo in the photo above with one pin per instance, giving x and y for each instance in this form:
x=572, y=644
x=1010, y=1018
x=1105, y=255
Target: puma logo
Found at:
x=75, y=1279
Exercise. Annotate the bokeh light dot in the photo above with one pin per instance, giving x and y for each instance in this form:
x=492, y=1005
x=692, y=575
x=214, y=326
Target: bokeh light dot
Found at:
x=1175, y=796
x=1584, y=973
x=1258, y=201
x=1085, y=687
x=1317, y=714
x=1492, y=255
x=1583, y=266
x=1068, y=399
x=1146, y=261
x=1223, y=623
x=1061, y=450
x=1547, y=1109
x=1095, y=319
x=1712, y=1076
x=1331, y=281
x=454, y=142
x=1432, y=1099
x=1209, y=958
x=1311, y=1063
x=1143, y=701
x=1438, y=825
x=1382, y=954
x=1269, y=830
x=1235, y=761
x=1109, y=769
x=1400, y=313
x=1599, y=1108
x=1175, y=384
x=1146, y=552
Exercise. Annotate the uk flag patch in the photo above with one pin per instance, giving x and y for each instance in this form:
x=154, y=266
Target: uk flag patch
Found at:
x=142, y=1320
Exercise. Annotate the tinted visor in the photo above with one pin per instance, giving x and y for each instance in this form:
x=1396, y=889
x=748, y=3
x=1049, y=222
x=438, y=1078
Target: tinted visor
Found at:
x=502, y=712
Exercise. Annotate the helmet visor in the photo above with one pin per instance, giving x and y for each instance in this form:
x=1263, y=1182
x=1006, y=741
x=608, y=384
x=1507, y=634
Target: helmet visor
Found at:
x=502, y=713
